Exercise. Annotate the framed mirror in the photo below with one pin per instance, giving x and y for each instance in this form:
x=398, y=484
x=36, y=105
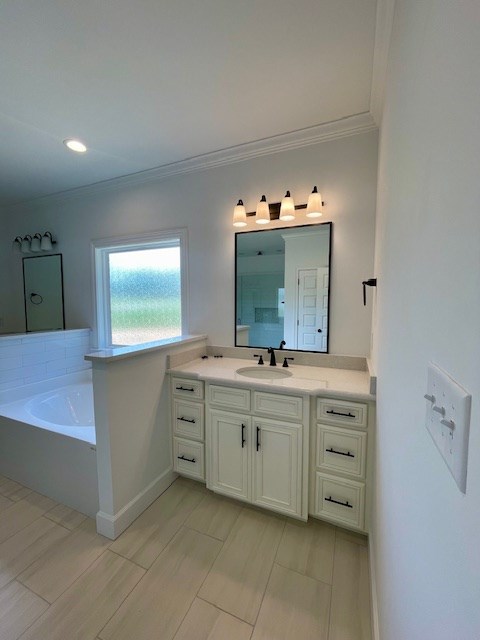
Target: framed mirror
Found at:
x=43, y=290
x=282, y=287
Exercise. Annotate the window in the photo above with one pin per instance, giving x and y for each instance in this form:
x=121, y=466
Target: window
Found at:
x=140, y=288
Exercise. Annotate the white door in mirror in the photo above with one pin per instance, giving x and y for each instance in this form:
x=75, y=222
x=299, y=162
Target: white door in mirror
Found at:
x=448, y=421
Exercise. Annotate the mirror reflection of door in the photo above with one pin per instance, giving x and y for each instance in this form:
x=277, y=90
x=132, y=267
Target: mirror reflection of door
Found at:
x=43, y=289
x=312, y=317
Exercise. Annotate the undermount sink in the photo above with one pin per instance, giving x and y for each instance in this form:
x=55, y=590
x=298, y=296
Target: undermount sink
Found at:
x=264, y=373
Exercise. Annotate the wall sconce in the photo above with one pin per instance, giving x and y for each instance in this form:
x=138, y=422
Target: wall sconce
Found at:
x=39, y=242
x=284, y=210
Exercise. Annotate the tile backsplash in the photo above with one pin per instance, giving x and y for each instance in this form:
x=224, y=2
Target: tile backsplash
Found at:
x=32, y=357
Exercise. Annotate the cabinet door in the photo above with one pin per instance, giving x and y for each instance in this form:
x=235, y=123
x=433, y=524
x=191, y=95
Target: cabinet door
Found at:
x=230, y=442
x=277, y=466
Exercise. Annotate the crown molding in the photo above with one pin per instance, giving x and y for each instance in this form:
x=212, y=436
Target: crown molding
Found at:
x=383, y=35
x=348, y=126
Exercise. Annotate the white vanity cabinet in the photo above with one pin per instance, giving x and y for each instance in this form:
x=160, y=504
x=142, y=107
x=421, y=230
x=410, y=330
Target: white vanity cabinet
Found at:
x=257, y=447
x=339, y=477
x=188, y=412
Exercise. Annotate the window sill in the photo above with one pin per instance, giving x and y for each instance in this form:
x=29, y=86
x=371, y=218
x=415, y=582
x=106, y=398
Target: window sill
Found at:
x=120, y=353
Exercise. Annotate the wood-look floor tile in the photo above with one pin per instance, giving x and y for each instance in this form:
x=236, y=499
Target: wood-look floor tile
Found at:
x=240, y=574
x=14, y=490
x=214, y=516
x=308, y=549
x=56, y=570
x=350, y=610
x=145, y=539
x=90, y=602
x=352, y=536
x=23, y=513
x=157, y=606
x=5, y=503
x=23, y=548
x=19, y=608
x=206, y=622
x=66, y=517
x=181, y=481
x=294, y=606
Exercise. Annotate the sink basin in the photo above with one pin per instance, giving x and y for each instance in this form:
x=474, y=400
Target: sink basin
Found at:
x=264, y=373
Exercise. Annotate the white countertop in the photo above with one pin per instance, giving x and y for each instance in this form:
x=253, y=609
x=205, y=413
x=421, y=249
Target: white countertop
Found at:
x=130, y=351
x=305, y=379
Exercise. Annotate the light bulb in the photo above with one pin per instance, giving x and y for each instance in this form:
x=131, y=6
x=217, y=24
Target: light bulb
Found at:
x=75, y=145
x=263, y=212
x=239, y=215
x=315, y=205
x=287, y=208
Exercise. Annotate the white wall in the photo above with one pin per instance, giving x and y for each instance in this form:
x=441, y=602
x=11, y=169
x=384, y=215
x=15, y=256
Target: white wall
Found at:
x=426, y=533
x=344, y=170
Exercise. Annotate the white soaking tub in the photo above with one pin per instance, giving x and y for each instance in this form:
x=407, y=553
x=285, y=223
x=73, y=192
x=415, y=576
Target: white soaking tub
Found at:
x=47, y=439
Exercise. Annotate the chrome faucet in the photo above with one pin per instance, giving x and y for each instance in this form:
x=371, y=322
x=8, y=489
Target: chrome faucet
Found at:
x=271, y=351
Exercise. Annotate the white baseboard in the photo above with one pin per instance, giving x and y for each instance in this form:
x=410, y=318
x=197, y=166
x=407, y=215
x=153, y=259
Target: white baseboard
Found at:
x=373, y=588
x=112, y=525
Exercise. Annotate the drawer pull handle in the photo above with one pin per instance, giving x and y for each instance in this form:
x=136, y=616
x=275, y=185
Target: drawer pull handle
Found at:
x=182, y=419
x=258, y=438
x=340, y=453
x=184, y=389
x=182, y=457
x=338, y=413
x=343, y=504
x=243, y=436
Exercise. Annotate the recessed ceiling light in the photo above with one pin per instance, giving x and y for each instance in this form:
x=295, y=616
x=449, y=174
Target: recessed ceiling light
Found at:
x=75, y=145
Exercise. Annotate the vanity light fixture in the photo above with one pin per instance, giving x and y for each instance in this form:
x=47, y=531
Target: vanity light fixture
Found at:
x=239, y=215
x=263, y=212
x=36, y=242
x=287, y=208
x=315, y=204
x=39, y=242
x=75, y=145
x=284, y=211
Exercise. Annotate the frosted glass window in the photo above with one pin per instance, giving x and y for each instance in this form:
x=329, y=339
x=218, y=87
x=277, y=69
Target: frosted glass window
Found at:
x=145, y=295
x=140, y=286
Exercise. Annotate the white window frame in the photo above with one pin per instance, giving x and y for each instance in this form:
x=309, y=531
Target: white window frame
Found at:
x=101, y=276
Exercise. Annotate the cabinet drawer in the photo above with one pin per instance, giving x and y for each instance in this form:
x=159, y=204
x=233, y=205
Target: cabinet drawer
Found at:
x=277, y=405
x=341, y=450
x=231, y=397
x=188, y=419
x=353, y=414
x=340, y=500
x=188, y=458
x=187, y=388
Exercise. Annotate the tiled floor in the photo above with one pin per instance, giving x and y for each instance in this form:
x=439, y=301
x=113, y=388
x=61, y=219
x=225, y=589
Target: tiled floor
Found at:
x=194, y=566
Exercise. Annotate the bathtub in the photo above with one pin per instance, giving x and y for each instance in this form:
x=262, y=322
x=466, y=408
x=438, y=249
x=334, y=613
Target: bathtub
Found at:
x=47, y=439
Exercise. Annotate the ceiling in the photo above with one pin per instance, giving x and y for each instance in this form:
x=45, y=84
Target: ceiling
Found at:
x=146, y=83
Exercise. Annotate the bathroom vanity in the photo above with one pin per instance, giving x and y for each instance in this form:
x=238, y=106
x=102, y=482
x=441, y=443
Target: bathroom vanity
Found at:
x=298, y=444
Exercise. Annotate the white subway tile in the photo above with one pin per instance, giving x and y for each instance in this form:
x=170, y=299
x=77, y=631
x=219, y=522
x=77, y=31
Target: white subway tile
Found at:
x=53, y=373
x=37, y=378
x=76, y=351
x=9, y=341
x=34, y=358
x=12, y=374
x=56, y=365
x=74, y=361
x=35, y=370
x=10, y=363
x=86, y=365
x=33, y=347
x=6, y=352
x=54, y=354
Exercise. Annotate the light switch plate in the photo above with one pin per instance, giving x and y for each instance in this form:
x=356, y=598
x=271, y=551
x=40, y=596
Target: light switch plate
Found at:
x=448, y=421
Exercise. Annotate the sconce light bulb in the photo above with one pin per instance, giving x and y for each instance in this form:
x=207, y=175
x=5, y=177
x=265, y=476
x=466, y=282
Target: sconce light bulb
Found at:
x=315, y=204
x=287, y=208
x=263, y=212
x=239, y=215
